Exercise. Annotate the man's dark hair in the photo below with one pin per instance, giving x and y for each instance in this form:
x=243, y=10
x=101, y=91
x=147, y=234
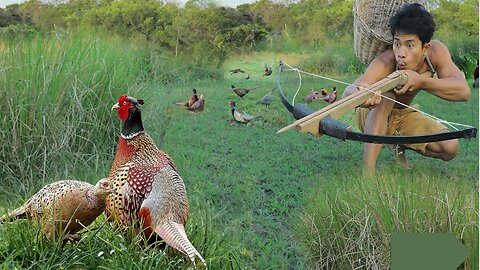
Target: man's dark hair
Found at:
x=413, y=19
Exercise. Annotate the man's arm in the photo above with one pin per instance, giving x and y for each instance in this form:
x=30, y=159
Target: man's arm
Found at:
x=450, y=85
x=381, y=67
x=376, y=122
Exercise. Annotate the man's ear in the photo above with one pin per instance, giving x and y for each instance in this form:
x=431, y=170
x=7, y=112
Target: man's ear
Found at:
x=426, y=48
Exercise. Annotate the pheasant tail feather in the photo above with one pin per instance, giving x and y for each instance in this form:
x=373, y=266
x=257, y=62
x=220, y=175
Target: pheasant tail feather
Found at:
x=174, y=235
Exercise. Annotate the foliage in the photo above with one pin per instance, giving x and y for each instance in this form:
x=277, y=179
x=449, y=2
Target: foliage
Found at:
x=201, y=26
x=457, y=27
x=334, y=59
x=457, y=17
x=246, y=195
x=104, y=247
x=463, y=50
x=54, y=88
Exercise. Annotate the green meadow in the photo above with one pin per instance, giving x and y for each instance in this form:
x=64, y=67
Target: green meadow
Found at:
x=258, y=200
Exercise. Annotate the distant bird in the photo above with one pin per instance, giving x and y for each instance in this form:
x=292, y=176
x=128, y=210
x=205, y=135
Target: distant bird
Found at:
x=243, y=91
x=268, y=71
x=332, y=96
x=475, y=77
x=150, y=197
x=248, y=77
x=268, y=98
x=315, y=95
x=65, y=206
x=193, y=98
x=240, y=116
x=237, y=70
x=198, y=105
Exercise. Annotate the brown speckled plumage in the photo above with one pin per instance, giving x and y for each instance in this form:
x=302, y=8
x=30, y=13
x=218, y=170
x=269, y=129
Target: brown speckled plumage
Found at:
x=71, y=204
x=147, y=185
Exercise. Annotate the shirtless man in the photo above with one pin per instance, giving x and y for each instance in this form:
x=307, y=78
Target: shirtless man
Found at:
x=415, y=53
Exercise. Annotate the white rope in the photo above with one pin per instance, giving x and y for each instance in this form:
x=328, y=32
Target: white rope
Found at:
x=299, y=85
x=448, y=123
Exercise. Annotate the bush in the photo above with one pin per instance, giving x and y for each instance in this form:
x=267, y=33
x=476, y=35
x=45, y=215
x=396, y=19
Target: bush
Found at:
x=464, y=51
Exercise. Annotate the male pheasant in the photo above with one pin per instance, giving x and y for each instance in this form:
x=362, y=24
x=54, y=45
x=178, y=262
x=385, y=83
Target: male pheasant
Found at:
x=315, y=95
x=268, y=71
x=330, y=98
x=70, y=205
x=193, y=98
x=237, y=70
x=242, y=91
x=198, y=105
x=148, y=188
x=239, y=116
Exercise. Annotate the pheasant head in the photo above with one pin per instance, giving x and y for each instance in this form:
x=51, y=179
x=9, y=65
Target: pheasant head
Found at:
x=97, y=195
x=128, y=109
x=103, y=188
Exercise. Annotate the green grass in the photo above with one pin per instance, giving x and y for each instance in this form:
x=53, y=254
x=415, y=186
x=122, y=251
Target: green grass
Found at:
x=349, y=225
x=257, y=198
x=53, y=92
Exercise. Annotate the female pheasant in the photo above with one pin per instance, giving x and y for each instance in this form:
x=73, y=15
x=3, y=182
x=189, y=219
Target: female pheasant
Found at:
x=147, y=186
x=69, y=205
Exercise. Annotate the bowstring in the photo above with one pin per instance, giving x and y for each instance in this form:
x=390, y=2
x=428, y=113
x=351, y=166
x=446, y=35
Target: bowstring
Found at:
x=299, y=72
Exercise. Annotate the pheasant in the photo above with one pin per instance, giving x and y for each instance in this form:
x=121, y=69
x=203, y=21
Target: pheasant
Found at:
x=475, y=77
x=237, y=70
x=315, y=95
x=268, y=98
x=268, y=71
x=70, y=205
x=330, y=98
x=150, y=195
x=193, y=99
x=240, y=116
x=243, y=91
x=198, y=105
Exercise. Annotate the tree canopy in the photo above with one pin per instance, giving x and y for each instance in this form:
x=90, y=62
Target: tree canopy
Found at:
x=204, y=32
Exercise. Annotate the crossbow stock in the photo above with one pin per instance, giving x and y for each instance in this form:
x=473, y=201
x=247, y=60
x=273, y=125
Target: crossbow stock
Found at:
x=324, y=120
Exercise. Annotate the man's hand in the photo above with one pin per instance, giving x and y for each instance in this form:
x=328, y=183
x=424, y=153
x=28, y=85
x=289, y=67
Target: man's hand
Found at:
x=372, y=101
x=415, y=81
x=369, y=103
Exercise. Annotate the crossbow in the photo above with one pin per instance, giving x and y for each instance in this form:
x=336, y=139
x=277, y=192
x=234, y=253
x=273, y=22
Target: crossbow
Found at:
x=324, y=120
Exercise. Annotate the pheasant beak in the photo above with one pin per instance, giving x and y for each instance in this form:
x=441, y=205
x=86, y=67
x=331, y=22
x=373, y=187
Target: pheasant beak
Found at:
x=115, y=107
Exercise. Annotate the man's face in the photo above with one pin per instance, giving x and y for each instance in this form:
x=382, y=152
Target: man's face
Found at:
x=409, y=52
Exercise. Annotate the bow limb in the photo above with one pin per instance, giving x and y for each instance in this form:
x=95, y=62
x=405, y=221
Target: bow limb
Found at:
x=334, y=128
x=311, y=123
x=331, y=127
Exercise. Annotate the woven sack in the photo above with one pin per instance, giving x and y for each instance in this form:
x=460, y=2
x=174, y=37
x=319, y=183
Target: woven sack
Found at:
x=371, y=31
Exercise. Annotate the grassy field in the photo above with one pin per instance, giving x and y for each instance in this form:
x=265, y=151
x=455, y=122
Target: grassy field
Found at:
x=258, y=200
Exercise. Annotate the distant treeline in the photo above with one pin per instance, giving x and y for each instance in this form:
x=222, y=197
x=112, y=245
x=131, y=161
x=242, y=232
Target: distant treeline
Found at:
x=206, y=33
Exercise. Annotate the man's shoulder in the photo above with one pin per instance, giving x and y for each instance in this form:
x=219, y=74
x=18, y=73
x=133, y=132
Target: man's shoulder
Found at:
x=386, y=58
x=437, y=47
x=384, y=61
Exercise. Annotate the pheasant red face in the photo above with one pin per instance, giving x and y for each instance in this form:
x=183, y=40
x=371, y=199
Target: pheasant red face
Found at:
x=122, y=107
